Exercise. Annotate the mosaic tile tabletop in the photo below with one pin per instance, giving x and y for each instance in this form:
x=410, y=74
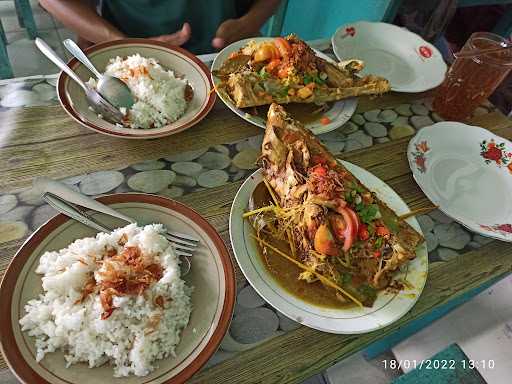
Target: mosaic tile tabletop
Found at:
x=254, y=321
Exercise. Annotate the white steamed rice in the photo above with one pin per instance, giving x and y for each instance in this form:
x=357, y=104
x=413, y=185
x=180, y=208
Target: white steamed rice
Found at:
x=159, y=95
x=58, y=322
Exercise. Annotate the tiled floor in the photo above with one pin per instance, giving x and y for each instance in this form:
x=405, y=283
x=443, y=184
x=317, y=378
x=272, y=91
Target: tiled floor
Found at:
x=25, y=59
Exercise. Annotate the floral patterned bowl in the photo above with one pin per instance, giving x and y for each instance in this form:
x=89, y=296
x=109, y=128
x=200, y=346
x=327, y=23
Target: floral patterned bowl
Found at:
x=467, y=172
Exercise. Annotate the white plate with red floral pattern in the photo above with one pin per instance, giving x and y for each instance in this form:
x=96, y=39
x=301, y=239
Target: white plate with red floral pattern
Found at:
x=409, y=63
x=467, y=172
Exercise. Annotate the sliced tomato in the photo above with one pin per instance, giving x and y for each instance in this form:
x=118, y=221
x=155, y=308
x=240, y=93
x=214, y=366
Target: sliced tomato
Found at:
x=349, y=233
x=324, y=241
x=274, y=63
x=325, y=120
x=283, y=46
x=319, y=170
x=266, y=52
x=355, y=220
x=377, y=254
x=382, y=230
x=363, y=232
x=282, y=73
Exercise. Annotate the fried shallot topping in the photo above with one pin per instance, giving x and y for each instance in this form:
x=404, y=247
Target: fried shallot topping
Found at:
x=159, y=300
x=89, y=287
x=324, y=182
x=302, y=58
x=122, y=274
x=123, y=239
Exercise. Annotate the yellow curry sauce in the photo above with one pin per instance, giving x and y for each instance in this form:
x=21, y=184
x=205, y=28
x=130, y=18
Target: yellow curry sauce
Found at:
x=286, y=273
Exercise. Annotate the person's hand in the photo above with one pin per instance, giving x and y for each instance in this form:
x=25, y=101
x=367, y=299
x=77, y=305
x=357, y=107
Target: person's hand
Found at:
x=176, y=38
x=233, y=30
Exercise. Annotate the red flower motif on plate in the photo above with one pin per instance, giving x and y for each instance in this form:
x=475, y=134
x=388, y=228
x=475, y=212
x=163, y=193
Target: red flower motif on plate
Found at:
x=419, y=155
x=493, y=152
x=425, y=51
x=349, y=31
x=504, y=228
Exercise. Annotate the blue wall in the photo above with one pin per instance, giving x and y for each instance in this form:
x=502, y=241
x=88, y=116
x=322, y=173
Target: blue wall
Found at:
x=314, y=19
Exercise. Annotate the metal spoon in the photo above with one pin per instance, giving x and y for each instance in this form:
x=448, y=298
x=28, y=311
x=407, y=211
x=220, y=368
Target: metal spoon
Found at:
x=96, y=101
x=110, y=87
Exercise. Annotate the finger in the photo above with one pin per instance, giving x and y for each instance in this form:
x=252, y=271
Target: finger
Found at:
x=218, y=42
x=180, y=37
x=223, y=31
x=186, y=30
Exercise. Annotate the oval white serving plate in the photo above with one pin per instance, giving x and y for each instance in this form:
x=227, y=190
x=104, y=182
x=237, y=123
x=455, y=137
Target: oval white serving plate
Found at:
x=467, y=172
x=387, y=309
x=338, y=114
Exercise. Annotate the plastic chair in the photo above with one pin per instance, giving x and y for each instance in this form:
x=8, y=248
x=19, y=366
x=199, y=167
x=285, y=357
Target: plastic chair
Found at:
x=26, y=20
x=26, y=17
x=5, y=65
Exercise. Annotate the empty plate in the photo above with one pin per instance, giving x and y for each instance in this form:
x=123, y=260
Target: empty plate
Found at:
x=467, y=171
x=409, y=63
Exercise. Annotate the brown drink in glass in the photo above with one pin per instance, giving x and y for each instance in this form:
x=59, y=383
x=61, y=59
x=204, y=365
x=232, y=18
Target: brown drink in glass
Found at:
x=471, y=80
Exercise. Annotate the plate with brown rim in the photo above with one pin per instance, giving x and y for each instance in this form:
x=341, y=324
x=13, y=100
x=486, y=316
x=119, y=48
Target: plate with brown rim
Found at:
x=182, y=62
x=212, y=276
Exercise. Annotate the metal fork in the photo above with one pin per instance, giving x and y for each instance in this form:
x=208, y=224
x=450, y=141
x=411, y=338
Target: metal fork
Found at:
x=182, y=247
x=68, y=195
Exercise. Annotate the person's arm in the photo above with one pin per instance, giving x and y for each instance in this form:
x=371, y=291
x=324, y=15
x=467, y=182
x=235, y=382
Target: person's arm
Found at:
x=81, y=17
x=248, y=25
x=260, y=12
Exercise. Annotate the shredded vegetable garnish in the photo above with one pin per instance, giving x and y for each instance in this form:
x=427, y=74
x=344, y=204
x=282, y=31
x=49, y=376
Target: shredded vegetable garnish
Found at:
x=259, y=210
x=406, y=283
x=420, y=211
x=321, y=277
x=343, y=262
x=271, y=191
x=291, y=242
x=288, y=231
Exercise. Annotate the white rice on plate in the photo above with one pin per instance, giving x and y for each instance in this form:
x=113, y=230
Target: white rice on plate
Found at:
x=159, y=95
x=137, y=328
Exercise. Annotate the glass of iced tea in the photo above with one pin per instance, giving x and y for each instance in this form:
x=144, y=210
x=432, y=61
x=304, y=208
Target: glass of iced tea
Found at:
x=471, y=80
